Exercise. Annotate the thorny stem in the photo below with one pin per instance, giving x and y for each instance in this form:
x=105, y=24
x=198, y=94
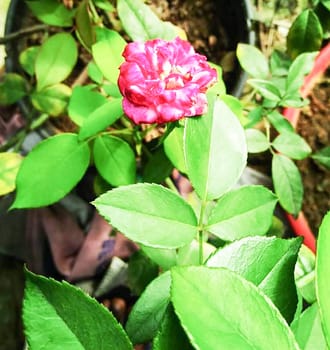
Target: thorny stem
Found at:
x=23, y=32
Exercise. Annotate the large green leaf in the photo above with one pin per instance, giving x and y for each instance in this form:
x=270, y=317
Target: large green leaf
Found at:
x=305, y=34
x=52, y=100
x=107, y=52
x=12, y=88
x=101, y=118
x=171, y=335
x=308, y=330
x=55, y=60
x=268, y=262
x=52, y=12
x=147, y=314
x=83, y=102
x=115, y=160
x=51, y=170
x=252, y=61
x=59, y=316
x=252, y=217
x=322, y=275
x=215, y=150
x=287, y=183
x=9, y=165
x=141, y=23
x=292, y=145
x=164, y=220
x=220, y=310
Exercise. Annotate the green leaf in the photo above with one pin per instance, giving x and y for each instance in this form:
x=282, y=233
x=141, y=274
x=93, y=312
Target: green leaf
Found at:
x=9, y=165
x=292, y=145
x=269, y=263
x=60, y=316
x=12, y=88
x=243, y=319
x=280, y=123
x=323, y=157
x=158, y=167
x=279, y=63
x=215, y=150
x=107, y=52
x=55, y=60
x=173, y=147
x=52, y=100
x=148, y=312
x=51, y=12
x=304, y=274
x=252, y=61
x=141, y=271
x=141, y=23
x=189, y=254
x=266, y=89
x=94, y=72
x=114, y=160
x=326, y=3
x=51, y=170
x=305, y=34
x=27, y=59
x=84, y=102
x=164, y=220
x=171, y=335
x=101, y=118
x=300, y=67
x=308, y=330
x=287, y=183
x=322, y=275
x=219, y=88
x=165, y=258
x=252, y=217
x=84, y=25
x=256, y=141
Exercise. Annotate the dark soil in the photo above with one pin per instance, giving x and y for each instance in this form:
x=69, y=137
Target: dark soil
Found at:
x=314, y=126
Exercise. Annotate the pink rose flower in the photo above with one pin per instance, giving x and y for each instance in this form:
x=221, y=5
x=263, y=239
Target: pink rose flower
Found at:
x=164, y=81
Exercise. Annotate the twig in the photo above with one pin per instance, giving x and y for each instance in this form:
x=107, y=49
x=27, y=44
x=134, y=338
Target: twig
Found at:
x=23, y=32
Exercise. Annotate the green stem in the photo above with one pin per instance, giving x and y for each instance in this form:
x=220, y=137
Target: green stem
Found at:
x=201, y=232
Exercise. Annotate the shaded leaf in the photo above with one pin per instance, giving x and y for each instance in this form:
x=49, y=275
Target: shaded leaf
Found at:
x=266, y=89
x=84, y=27
x=12, y=88
x=158, y=167
x=165, y=220
x=323, y=156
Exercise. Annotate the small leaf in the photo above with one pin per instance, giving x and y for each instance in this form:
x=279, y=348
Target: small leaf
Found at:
x=165, y=258
x=94, y=72
x=252, y=61
x=52, y=100
x=59, y=315
x=84, y=102
x=292, y=145
x=115, y=160
x=305, y=34
x=158, y=167
x=165, y=220
x=300, y=67
x=84, y=27
x=256, y=141
x=12, y=88
x=50, y=171
x=279, y=63
x=322, y=275
x=55, y=60
x=173, y=147
x=269, y=264
x=280, y=123
x=141, y=23
x=51, y=12
x=308, y=330
x=266, y=89
x=101, y=118
x=215, y=150
x=107, y=52
x=171, y=335
x=252, y=217
x=245, y=319
x=9, y=165
x=27, y=59
x=148, y=312
x=323, y=157
x=287, y=183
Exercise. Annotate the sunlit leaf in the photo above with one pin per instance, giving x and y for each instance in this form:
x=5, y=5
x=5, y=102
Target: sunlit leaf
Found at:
x=9, y=165
x=256, y=141
x=27, y=59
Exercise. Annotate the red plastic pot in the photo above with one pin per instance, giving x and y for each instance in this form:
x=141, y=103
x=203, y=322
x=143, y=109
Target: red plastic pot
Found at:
x=300, y=225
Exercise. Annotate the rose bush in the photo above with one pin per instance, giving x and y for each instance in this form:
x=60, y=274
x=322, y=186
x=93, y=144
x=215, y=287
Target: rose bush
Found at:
x=164, y=81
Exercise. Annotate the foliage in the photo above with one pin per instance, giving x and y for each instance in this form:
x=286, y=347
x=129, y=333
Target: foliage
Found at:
x=212, y=275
